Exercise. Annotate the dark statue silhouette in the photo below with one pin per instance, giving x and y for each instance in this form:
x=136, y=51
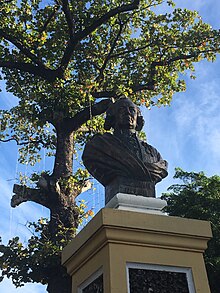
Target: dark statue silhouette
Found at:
x=120, y=161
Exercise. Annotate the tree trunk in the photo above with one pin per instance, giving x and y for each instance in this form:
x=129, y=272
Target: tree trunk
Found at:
x=63, y=210
x=63, y=166
x=60, y=199
x=59, y=282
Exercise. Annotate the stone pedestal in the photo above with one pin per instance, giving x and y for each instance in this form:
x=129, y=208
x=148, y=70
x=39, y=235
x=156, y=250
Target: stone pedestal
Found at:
x=122, y=251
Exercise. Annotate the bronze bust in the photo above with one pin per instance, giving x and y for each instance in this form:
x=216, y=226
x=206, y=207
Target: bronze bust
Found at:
x=120, y=161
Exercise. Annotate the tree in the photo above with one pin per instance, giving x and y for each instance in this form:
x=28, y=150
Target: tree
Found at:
x=66, y=61
x=198, y=197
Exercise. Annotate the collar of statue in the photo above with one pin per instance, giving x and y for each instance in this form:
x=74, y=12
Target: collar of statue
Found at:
x=125, y=132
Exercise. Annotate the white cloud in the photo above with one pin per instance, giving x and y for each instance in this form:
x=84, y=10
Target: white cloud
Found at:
x=198, y=117
x=187, y=133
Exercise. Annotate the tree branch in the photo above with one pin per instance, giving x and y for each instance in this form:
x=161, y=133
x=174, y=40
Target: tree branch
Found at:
x=89, y=29
x=181, y=57
x=56, y=7
x=21, y=47
x=104, y=94
x=121, y=54
x=108, y=57
x=6, y=1
x=25, y=142
x=68, y=16
x=24, y=193
x=82, y=117
x=151, y=84
x=41, y=71
x=113, y=93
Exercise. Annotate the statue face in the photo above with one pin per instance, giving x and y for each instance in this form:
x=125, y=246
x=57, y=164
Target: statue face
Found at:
x=126, y=114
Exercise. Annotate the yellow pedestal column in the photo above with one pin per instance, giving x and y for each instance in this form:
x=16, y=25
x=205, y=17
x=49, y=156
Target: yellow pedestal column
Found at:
x=115, y=240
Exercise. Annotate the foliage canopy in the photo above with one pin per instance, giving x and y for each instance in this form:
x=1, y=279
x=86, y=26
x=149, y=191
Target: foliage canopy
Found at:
x=60, y=56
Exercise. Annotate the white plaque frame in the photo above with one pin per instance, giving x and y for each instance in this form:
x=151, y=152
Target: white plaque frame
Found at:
x=90, y=279
x=187, y=271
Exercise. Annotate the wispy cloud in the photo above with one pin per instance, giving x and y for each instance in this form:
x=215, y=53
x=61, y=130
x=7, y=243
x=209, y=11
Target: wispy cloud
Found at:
x=208, y=10
x=188, y=132
x=198, y=116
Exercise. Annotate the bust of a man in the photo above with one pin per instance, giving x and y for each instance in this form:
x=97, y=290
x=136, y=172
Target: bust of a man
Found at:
x=121, y=161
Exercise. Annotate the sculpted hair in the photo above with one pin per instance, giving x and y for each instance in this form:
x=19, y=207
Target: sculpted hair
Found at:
x=110, y=117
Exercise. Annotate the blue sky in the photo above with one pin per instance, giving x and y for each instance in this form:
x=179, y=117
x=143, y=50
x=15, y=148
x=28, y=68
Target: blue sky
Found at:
x=187, y=134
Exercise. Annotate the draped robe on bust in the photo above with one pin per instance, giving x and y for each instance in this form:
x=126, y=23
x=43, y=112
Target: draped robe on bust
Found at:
x=106, y=157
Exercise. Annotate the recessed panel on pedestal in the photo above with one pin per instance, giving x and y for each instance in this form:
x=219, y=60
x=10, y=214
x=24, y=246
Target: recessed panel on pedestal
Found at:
x=146, y=278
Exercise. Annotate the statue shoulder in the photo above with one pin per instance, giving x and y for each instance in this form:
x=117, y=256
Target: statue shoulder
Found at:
x=148, y=146
x=151, y=150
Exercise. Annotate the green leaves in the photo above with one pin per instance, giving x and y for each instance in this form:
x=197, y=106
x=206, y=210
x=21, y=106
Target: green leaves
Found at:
x=143, y=40
x=139, y=53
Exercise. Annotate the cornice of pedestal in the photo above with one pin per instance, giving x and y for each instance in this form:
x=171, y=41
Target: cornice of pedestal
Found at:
x=136, y=229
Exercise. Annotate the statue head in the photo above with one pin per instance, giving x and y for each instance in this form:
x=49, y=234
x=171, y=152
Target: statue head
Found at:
x=124, y=114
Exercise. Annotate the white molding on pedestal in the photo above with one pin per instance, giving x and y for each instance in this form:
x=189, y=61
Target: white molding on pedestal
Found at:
x=137, y=203
x=90, y=279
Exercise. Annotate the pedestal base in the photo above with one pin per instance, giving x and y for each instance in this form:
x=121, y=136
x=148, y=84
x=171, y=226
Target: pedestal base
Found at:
x=137, y=203
x=123, y=252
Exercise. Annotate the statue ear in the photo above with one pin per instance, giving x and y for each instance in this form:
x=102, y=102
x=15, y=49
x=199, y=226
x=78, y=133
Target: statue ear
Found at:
x=140, y=123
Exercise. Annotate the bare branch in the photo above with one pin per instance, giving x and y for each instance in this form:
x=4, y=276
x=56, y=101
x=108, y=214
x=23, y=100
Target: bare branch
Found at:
x=24, y=194
x=82, y=117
